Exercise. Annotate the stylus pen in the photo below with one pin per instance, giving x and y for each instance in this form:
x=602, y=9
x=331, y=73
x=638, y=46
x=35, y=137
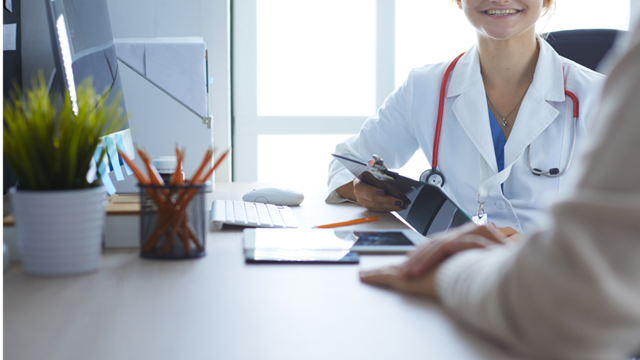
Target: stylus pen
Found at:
x=350, y=222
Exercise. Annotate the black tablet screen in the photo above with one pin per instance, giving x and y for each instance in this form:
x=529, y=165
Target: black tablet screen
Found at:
x=368, y=238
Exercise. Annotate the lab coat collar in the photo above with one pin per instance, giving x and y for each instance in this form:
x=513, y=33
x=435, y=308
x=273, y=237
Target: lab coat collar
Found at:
x=535, y=113
x=466, y=73
x=470, y=108
x=548, y=79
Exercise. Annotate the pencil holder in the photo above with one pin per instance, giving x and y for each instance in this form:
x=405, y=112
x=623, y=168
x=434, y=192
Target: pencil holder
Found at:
x=172, y=221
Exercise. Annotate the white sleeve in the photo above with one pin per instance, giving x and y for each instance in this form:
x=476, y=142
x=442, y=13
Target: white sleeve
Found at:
x=572, y=290
x=389, y=134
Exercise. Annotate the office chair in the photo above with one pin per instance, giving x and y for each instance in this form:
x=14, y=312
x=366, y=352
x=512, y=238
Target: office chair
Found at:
x=586, y=47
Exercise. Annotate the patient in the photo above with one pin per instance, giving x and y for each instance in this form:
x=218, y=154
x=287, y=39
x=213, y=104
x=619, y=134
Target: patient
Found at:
x=572, y=290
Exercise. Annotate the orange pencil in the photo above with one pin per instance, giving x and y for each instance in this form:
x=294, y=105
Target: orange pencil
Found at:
x=136, y=171
x=177, y=178
x=182, y=201
x=203, y=165
x=215, y=165
x=350, y=222
x=140, y=176
x=155, y=178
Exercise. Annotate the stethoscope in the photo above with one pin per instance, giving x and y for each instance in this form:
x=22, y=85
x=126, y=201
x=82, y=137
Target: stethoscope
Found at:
x=436, y=178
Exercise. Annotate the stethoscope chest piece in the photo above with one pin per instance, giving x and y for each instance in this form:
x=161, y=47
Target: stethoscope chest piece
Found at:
x=433, y=177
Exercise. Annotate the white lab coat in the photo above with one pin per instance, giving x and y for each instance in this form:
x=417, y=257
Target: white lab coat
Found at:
x=406, y=122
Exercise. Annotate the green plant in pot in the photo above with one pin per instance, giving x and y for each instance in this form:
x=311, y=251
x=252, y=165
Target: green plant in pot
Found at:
x=58, y=205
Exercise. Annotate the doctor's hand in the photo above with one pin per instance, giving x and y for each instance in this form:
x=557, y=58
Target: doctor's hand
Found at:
x=370, y=197
x=511, y=233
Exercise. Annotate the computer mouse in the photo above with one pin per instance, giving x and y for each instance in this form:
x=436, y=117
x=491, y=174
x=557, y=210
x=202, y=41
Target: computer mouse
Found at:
x=274, y=196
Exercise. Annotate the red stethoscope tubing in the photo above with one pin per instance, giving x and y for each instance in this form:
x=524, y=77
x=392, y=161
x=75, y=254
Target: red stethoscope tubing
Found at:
x=443, y=89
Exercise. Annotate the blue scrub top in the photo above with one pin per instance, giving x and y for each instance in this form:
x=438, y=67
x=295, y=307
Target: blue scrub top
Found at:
x=498, y=140
x=498, y=143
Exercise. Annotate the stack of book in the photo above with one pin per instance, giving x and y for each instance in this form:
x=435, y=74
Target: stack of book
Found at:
x=122, y=228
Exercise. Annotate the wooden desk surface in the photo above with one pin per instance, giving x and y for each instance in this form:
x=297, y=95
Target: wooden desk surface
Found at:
x=218, y=307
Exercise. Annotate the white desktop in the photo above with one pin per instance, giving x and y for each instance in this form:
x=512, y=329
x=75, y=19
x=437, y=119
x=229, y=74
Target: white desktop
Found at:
x=219, y=307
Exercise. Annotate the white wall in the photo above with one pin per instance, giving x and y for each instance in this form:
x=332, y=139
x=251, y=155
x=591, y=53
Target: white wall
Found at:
x=157, y=122
x=635, y=12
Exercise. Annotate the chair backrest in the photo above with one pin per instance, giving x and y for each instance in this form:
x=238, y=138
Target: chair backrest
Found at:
x=586, y=47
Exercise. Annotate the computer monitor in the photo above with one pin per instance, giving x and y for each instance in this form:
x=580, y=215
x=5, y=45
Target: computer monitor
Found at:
x=83, y=47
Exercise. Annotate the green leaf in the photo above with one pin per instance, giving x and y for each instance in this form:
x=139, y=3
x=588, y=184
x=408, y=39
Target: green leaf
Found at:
x=50, y=147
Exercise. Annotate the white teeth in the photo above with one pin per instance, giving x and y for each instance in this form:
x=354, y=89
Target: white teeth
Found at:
x=501, y=12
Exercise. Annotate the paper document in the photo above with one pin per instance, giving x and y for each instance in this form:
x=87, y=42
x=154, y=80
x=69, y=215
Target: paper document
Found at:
x=9, y=36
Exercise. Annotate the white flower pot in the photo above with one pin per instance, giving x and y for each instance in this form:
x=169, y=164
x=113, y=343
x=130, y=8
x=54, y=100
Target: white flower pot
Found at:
x=60, y=232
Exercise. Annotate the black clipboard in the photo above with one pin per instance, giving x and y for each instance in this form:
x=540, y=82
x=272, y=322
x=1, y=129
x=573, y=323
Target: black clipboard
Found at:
x=429, y=210
x=391, y=182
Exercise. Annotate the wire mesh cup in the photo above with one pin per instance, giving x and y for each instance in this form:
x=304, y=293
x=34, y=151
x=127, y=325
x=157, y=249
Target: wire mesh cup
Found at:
x=172, y=221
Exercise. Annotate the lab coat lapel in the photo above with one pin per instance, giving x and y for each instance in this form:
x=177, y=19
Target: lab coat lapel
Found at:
x=470, y=108
x=536, y=113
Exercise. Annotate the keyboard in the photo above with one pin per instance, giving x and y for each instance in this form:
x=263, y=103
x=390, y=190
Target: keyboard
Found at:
x=251, y=214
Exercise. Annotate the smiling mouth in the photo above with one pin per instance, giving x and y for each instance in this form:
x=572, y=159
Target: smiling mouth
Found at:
x=502, y=12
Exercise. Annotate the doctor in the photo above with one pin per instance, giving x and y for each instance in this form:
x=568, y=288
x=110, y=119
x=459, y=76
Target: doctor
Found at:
x=504, y=112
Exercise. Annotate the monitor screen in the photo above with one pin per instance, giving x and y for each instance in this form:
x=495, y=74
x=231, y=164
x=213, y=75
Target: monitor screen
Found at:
x=83, y=47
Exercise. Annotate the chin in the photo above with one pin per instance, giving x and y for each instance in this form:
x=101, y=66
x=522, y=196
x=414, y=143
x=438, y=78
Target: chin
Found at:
x=504, y=34
x=500, y=36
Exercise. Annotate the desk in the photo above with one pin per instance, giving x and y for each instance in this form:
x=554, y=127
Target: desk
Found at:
x=218, y=307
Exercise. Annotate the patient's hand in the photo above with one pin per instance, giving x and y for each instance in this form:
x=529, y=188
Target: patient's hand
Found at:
x=430, y=254
x=417, y=274
x=390, y=277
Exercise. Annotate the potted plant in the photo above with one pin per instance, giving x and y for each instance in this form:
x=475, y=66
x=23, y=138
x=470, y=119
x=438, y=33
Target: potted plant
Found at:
x=58, y=204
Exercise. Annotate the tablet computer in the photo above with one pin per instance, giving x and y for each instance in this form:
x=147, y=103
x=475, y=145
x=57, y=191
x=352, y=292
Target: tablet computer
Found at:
x=324, y=245
x=301, y=257
x=386, y=241
x=296, y=246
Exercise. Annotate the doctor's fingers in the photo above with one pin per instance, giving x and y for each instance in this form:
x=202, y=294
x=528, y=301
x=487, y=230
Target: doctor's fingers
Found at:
x=511, y=234
x=374, y=198
x=490, y=232
x=428, y=258
x=381, y=204
x=365, y=191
